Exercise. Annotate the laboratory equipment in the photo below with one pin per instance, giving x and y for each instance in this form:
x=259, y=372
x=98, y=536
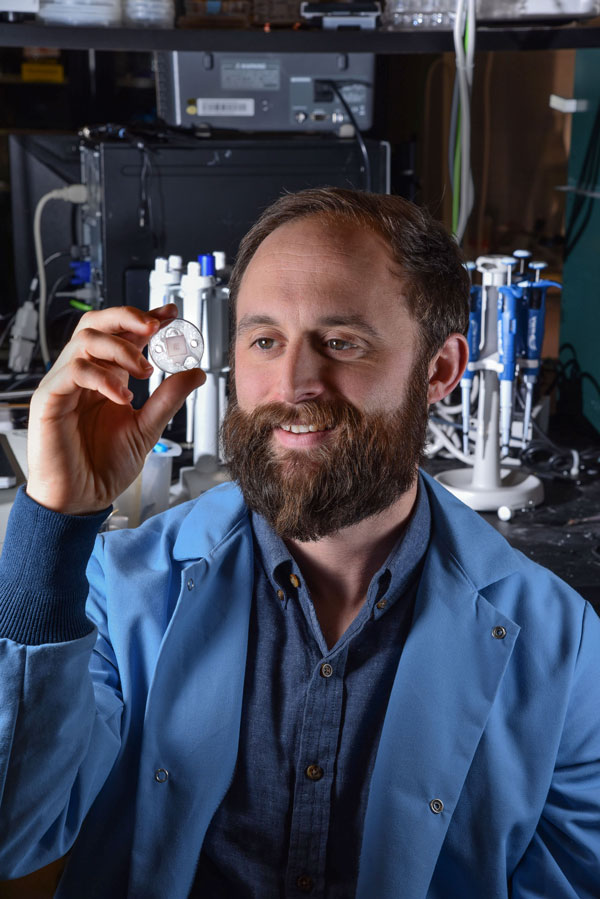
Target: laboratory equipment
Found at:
x=493, y=482
x=507, y=319
x=426, y=15
x=204, y=302
x=80, y=12
x=149, y=494
x=346, y=14
x=149, y=13
x=266, y=91
x=230, y=179
x=440, y=14
x=535, y=292
x=176, y=346
x=473, y=339
x=548, y=10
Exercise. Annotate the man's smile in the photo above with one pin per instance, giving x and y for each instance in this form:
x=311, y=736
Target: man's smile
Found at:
x=301, y=435
x=304, y=429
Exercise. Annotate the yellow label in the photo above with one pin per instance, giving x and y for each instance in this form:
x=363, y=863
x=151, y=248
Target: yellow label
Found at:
x=49, y=72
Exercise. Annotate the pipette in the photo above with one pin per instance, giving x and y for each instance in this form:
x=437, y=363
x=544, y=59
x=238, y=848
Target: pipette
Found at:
x=473, y=339
x=508, y=304
x=535, y=292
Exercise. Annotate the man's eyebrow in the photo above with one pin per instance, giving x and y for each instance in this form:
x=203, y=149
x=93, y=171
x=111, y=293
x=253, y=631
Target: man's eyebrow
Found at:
x=247, y=322
x=352, y=320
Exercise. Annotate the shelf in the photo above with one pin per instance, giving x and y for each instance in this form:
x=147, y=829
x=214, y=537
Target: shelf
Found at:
x=63, y=37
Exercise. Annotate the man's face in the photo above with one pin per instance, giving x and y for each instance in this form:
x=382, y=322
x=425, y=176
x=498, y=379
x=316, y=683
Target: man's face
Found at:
x=324, y=342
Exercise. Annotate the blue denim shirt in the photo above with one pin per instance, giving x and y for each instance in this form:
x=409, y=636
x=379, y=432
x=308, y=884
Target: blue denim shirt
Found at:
x=291, y=823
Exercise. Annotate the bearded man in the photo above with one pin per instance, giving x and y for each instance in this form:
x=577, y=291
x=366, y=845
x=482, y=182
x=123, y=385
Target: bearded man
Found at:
x=328, y=678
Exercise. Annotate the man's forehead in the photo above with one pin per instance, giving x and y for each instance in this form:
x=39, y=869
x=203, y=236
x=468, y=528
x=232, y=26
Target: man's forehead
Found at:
x=312, y=245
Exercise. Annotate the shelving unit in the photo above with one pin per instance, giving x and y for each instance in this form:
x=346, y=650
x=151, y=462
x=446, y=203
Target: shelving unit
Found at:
x=559, y=37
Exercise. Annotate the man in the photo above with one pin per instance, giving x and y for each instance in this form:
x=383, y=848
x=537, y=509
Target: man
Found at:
x=339, y=681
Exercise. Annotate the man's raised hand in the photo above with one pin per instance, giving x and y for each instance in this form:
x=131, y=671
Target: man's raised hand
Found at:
x=86, y=443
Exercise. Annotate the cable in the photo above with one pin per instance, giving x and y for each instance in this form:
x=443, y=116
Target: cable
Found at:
x=447, y=443
x=6, y=331
x=465, y=55
x=357, y=132
x=453, y=131
x=74, y=193
x=33, y=286
x=559, y=457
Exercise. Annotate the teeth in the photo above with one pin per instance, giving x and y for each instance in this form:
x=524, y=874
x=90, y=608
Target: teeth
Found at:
x=302, y=429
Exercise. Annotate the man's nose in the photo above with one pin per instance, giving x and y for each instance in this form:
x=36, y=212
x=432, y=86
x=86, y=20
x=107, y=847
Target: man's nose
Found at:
x=301, y=374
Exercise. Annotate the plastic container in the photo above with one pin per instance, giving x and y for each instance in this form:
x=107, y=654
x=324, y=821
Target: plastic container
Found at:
x=429, y=15
x=149, y=13
x=80, y=12
x=149, y=493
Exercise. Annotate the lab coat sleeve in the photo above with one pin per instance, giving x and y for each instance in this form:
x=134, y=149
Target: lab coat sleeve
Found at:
x=60, y=715
x=563, y=858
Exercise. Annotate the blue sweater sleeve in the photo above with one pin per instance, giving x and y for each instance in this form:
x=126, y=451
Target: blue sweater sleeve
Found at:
x=43, y=586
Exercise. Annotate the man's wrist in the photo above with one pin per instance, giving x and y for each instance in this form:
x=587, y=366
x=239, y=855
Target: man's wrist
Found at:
x=43, y=586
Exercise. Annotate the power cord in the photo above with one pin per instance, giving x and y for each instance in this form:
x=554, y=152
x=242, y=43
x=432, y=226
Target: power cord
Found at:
x=357, y=132
x=74, y=193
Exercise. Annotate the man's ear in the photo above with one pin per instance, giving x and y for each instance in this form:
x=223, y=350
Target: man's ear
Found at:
x=446, y=367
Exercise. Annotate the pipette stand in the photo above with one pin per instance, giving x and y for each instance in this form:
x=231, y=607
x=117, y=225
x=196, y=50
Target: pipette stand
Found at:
x=488, y=485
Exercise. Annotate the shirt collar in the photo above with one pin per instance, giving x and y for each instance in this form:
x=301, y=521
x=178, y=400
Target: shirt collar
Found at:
x=392, y=579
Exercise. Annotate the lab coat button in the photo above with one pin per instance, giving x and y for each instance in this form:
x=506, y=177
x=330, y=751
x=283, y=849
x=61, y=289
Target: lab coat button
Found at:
x=190, y=584
x=499, y=632
x=436, y=806
x=161, y=775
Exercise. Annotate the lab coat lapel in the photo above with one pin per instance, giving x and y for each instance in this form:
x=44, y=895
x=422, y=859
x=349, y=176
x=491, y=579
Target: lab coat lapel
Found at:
x=193, y=716
x=449, y=673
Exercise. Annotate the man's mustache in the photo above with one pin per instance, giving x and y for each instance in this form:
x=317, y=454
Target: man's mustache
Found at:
x=319, y=413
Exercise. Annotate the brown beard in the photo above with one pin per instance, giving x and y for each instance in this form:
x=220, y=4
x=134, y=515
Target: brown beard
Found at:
x=367, y=463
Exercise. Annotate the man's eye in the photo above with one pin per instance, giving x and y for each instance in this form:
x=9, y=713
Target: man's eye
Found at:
x=336, y=343
x=265, y=343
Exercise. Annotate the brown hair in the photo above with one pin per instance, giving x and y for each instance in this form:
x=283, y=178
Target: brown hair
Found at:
x=429, y=261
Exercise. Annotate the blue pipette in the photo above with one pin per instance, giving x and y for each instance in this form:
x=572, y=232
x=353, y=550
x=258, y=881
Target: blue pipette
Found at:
x=508, y=308
x=536, y=319
x=473, y=339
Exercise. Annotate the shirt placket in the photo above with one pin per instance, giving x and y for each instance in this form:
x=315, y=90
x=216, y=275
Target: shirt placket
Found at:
x=315, y=770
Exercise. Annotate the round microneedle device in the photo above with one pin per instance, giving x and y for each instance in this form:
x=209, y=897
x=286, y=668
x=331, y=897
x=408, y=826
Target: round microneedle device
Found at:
x=177, y=346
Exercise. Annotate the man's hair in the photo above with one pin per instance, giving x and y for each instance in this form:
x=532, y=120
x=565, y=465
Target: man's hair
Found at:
x=428, y=260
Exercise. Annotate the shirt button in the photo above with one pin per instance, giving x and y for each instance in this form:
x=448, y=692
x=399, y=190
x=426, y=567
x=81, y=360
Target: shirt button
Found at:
x=294, y=580
x=161, y=775
x=499, y=632
x=280, y=595
x=305, y=883
x=190, y=584
x=436, y=806
x=314, y=772
x=382, y=604
x=326, y=670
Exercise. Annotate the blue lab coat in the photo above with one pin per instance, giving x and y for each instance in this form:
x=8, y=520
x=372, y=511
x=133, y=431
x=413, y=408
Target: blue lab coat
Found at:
x=123, y=743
